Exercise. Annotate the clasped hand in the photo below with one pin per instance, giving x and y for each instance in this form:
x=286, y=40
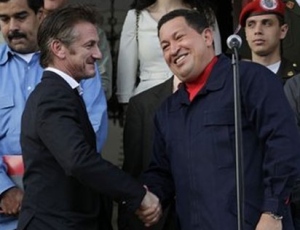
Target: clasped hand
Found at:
x=150, y=210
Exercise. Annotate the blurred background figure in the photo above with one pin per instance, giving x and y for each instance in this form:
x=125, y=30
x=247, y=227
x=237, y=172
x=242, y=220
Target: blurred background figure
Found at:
x=265, y=30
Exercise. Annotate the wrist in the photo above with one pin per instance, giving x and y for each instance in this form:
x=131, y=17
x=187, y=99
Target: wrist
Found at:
x=274, y=215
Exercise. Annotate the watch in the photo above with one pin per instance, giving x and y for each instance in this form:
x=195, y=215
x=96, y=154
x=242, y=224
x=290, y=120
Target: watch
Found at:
x=274, y=216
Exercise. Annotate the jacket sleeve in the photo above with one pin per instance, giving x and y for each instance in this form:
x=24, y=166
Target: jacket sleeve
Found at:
x=269, y=112
x=59, y=127
x=158, y=177
x=127, y=59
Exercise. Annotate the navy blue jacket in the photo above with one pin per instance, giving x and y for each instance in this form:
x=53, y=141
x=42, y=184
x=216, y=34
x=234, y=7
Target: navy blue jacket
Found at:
x=194, y=150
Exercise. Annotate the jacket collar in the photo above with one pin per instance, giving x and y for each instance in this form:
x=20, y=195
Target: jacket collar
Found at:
x=215, y=82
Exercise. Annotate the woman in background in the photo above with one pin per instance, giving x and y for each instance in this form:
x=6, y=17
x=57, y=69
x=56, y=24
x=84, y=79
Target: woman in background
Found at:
x=140, y=62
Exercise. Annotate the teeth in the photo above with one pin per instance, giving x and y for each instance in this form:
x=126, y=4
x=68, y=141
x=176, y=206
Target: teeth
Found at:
x=179, y=59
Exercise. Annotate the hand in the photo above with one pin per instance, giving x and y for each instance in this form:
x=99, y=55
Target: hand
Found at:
x=150, y=210
x=267, y=222
x=11, y=200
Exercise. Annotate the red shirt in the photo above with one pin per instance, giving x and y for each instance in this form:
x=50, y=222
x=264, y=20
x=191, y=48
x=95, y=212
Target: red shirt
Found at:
x=194, y=87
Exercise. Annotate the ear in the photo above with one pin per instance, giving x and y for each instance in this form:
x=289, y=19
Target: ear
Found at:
x=208, y=36
x=283, y=31
x=58, y=49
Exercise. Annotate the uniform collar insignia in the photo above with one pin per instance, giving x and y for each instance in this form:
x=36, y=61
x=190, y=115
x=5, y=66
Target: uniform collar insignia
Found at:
x=268, y=4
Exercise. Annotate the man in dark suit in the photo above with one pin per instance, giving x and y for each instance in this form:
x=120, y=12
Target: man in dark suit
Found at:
x=137, y=142
x=64, y=174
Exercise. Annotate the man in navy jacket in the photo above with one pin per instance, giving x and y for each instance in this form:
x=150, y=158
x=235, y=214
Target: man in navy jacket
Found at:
x=194, y=144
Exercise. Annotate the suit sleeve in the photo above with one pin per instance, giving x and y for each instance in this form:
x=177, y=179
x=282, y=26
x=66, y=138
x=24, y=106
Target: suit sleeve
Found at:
x=59, y=126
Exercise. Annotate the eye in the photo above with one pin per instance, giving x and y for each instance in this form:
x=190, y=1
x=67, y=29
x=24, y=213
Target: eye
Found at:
x=90, y=44
x=250, y=24
x=165, y=47
x=179, y=36
x=21, y=16
x=4, y=19
x=268, y=23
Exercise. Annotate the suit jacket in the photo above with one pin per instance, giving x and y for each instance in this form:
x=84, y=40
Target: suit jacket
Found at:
x=64, y=174
x=138, y=136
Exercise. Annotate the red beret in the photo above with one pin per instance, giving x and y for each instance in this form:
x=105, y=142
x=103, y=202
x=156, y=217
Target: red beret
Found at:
x=258, y=7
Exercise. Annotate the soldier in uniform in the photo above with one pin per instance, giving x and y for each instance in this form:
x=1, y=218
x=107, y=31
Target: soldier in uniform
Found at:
x=291, y=45
x=265, y=29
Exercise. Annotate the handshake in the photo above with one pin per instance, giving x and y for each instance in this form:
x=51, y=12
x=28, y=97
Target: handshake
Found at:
x=150, y=210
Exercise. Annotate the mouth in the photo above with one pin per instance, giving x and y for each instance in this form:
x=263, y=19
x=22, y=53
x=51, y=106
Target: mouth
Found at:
x=179, y=59
x=258, y=41
x=16, y=38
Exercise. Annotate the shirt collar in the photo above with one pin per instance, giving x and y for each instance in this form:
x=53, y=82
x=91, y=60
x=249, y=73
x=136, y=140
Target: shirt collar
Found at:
x=71, y=81
x=6, y=52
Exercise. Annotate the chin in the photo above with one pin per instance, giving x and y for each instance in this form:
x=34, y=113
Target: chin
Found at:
x=89, y=75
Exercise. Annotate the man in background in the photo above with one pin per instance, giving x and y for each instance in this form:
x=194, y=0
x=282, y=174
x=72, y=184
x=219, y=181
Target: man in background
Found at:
x=265, y=30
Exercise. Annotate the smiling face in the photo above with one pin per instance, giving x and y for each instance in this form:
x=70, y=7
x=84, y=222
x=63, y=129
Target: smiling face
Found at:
x=19, y=25
x=264, y=34
x=78, y=59
x=186, y=52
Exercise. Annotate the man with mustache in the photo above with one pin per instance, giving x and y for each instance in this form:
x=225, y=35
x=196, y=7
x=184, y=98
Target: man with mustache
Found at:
x=20, y=72
x=265, y=29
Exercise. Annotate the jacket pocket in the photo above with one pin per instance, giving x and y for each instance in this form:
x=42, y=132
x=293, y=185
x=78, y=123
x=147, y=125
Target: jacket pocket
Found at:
x=220, y=128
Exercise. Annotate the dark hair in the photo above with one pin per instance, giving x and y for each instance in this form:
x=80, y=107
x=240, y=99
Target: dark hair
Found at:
x=35, y=5
x=206, y=7
x=281, y=19
x=193, y=18
x=59, y=25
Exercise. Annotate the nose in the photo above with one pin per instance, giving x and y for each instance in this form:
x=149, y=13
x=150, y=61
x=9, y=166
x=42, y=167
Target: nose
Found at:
x=258, y=28
x=13, y=24
x=174, y=48
x=97, y=53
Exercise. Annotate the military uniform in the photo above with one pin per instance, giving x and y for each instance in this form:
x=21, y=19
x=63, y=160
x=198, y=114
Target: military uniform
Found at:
x=287, y=69
x=290, y=44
